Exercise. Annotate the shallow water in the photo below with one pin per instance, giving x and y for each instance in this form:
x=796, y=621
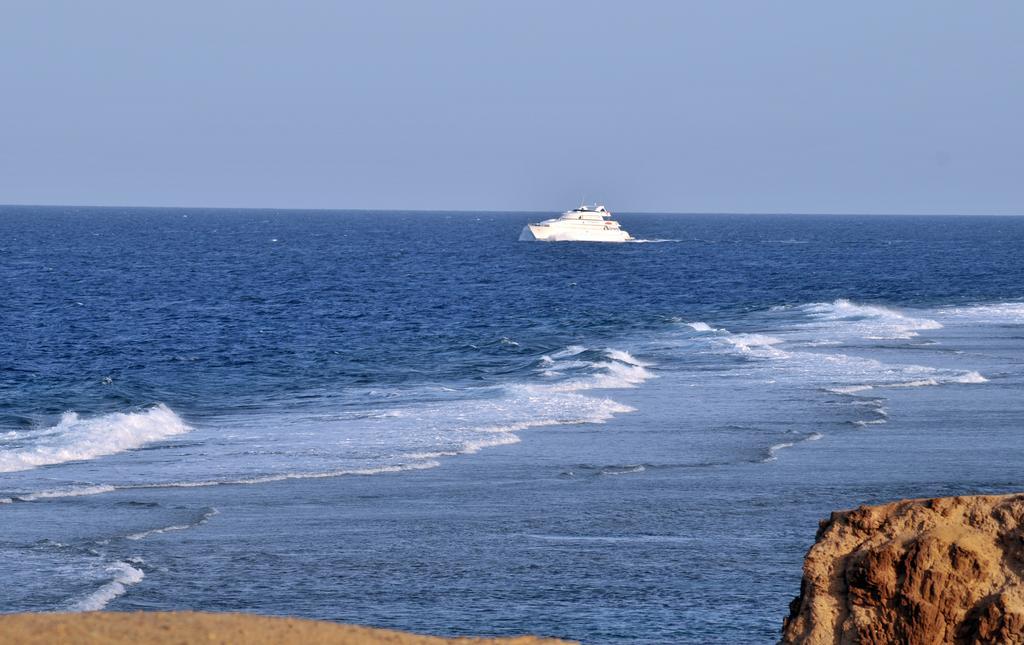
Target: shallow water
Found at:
x=412, y=420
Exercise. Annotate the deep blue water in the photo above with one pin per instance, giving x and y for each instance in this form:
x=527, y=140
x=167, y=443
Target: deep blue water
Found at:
x=413, y=420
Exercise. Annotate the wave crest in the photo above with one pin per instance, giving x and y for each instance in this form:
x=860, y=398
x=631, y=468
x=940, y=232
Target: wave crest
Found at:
x=123, y=576
x=872, y=322
x=77, y=439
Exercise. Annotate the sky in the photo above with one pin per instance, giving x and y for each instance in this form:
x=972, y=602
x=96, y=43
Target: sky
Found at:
x=682, y=106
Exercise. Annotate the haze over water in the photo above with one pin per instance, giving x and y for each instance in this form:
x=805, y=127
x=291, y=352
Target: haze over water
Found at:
x=412, y=420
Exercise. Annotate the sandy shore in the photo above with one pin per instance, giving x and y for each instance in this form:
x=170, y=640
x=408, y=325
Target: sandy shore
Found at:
x=112, y=628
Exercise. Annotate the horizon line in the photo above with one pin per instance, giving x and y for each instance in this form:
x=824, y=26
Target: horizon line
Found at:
x=470, y=211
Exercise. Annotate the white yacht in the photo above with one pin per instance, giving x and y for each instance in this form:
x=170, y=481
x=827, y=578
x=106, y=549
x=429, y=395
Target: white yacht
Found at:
x=583, y=224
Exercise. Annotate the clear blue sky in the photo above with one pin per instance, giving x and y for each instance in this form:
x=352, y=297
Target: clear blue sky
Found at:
x=711, y=106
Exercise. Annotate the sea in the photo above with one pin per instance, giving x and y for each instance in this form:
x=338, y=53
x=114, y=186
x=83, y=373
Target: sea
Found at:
x=412, y=420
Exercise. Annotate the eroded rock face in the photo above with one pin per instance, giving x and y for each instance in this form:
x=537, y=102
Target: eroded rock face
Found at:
x=947, y=570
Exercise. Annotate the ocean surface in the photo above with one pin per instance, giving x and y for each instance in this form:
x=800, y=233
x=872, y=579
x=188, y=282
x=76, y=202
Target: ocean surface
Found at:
x=414, y=421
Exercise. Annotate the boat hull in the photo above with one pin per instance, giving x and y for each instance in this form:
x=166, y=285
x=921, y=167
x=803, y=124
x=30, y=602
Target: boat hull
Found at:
x=549, y=233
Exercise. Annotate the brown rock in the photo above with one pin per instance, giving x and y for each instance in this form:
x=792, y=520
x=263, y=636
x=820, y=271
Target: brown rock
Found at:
x=177, y=628
x=948, y=570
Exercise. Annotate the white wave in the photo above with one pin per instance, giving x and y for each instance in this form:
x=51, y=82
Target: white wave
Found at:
x=501, y=436
x=419, y=426
x=473, y=447
x=571, y=350
x=872, y=322
x=556, y=367
x=775, y=449
x=872, y=422
x=386, y=414
x=277, y=477
x=623, y=470
x=971, y=377
x=71, y=491
x=620, y=370
x=925, y=382
x=310, y=446
x=653, y=241
x=965, y=378
x=624, y=357
x=124, y=575
x=77, y=439
x=850, y=389
x=756, y=345
x=374, y=470
x=836, y=373
x=433, y=455
x=998, y=313
x=174, y=527
x=701, y=326
x=609, y=376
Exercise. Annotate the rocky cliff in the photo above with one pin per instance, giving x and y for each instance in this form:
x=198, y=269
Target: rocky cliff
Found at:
x=945, y=570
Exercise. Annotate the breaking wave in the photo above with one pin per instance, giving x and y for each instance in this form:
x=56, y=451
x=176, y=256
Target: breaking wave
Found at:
x=202, y=519
x=123, y=575
x=755, y=344
x=701, y=326
x=77, y=439
x=266, y=479
x=1005, y=313
x=791, y=355
x=870, y=322
x=772, y=453
x=71, y=491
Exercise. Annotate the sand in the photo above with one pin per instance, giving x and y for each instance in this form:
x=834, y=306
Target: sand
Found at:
x=178, y=628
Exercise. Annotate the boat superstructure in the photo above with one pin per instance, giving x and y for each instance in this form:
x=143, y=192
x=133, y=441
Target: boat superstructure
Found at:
x=582, y=224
